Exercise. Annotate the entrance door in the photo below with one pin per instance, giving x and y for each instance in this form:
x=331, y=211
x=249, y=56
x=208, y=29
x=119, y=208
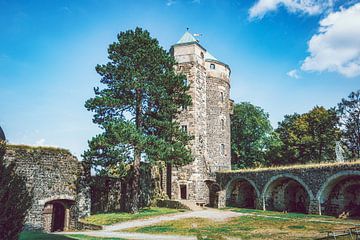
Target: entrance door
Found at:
x=183, y=192
x=58, y=217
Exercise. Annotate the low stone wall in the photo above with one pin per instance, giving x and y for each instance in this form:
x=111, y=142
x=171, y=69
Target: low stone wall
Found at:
x=171, y=204
x=108, y=194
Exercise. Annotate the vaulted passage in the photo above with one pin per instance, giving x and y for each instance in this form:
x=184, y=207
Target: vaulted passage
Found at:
x=241, y=193
x=286, y=194
x=341, y=197
x=56, y=215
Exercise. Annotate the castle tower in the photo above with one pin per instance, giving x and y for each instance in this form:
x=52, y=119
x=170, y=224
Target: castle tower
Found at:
x=208, y=119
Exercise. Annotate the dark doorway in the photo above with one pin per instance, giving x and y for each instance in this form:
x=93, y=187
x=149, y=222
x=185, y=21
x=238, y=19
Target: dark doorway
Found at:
x=183, y=192
x=58, y=217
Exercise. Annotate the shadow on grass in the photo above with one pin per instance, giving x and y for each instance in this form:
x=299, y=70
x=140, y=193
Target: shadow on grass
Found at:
x=27, y=235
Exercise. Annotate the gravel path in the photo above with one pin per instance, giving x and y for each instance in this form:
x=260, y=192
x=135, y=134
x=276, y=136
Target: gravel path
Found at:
x=116, y=230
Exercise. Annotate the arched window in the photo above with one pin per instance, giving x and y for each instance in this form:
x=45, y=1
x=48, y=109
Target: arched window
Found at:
x=212, y=66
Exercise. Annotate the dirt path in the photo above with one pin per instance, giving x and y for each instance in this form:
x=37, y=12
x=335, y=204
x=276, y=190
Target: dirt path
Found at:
x=117, y=230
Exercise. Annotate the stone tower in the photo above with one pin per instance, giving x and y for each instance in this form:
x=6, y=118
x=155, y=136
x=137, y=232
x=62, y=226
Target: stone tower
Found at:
x=208, y=119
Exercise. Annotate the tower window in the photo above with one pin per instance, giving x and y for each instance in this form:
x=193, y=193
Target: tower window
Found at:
x=222, y=124
x=212, y=66
x=222, y=149
x=184, y=128
x=202, y=55
x=222, y=96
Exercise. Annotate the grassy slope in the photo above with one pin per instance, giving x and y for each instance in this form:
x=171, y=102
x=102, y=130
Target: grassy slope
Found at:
x=111, y=218
x=268, y=226
x=44, y=236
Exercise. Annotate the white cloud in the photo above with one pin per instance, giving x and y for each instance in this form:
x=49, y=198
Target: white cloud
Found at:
x=293, y=73
x=310, y=7
x=40, y=142
x=336, y=46
x=170, y=2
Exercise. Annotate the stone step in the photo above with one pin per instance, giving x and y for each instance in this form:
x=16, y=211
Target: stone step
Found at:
x=193, y=205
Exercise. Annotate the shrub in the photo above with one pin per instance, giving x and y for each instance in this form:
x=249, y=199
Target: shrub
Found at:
x=15, y=199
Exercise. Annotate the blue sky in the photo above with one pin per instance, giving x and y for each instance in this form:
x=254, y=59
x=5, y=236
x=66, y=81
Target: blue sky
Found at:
x=286, y=56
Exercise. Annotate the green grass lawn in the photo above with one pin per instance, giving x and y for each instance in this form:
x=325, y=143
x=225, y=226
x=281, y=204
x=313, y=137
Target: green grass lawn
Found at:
x=117, y=217
x=263, y=225
x=26, y=235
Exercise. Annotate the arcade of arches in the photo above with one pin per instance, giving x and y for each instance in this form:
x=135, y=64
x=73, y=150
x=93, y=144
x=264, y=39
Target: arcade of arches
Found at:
x=324, y=189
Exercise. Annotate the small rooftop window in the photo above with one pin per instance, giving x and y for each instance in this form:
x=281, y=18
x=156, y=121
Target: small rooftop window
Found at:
x=212, y=66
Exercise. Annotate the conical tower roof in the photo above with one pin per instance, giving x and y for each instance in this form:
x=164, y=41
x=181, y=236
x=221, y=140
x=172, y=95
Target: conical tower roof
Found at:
x=2, y=135
x=187, y=38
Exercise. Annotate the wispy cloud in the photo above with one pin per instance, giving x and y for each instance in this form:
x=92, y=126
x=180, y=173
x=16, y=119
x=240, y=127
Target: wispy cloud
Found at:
x=170, y=2
x=293, y=74
x=336, y=46
x=310, y=7
x=40, y=142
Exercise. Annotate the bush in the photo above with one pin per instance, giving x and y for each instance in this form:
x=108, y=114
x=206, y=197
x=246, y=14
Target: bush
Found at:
x=15, y=199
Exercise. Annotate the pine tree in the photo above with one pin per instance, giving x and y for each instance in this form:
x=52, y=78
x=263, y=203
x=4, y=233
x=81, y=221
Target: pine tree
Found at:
x=136, y=111
x=15, y=199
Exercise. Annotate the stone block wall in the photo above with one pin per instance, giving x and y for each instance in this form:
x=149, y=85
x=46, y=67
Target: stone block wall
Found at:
x=55, y=176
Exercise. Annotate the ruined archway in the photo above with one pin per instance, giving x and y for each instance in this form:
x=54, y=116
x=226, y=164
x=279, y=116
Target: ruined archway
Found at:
x=57, y=215
x=340, y=195
x=241, y=192
x=286, y=193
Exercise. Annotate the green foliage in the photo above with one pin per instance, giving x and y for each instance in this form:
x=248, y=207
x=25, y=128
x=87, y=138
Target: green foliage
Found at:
x=136, y=109
x=349, y=112
x=309, y=137
x=15, y=199
x=251, y=136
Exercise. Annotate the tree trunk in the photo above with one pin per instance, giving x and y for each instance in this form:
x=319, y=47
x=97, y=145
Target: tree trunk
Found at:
x=134, y=179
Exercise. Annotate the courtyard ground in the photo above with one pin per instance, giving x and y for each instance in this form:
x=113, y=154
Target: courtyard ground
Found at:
x=229, y=223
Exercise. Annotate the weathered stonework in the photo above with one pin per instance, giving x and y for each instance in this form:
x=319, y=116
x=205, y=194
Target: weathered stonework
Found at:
x=59, y=184
x=207, y=120
x=330, y=189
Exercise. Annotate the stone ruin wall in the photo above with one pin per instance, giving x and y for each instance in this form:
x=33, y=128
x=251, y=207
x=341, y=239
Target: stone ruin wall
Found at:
x=53, y=174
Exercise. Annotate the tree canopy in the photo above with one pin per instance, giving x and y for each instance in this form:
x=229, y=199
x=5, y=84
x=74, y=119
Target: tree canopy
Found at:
x=251, y=135
x=309, y=137
x=349, y=112
x=137, y=109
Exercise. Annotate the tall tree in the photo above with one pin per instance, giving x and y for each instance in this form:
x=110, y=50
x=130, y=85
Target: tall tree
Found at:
x=309, y=137
x=15, y=199
x=349, y=112
x=251, y=135
x=137, y=110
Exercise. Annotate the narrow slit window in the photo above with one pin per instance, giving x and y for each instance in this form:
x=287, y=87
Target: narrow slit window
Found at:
x=222, y=124
x=222, y=96
x=222, y=149
x=184, y=128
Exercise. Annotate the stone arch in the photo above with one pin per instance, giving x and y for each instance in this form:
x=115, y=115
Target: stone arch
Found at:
x=340, y=194
x=214, y=189
x=286, y=192
x=241, y=192
x=57, y=214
